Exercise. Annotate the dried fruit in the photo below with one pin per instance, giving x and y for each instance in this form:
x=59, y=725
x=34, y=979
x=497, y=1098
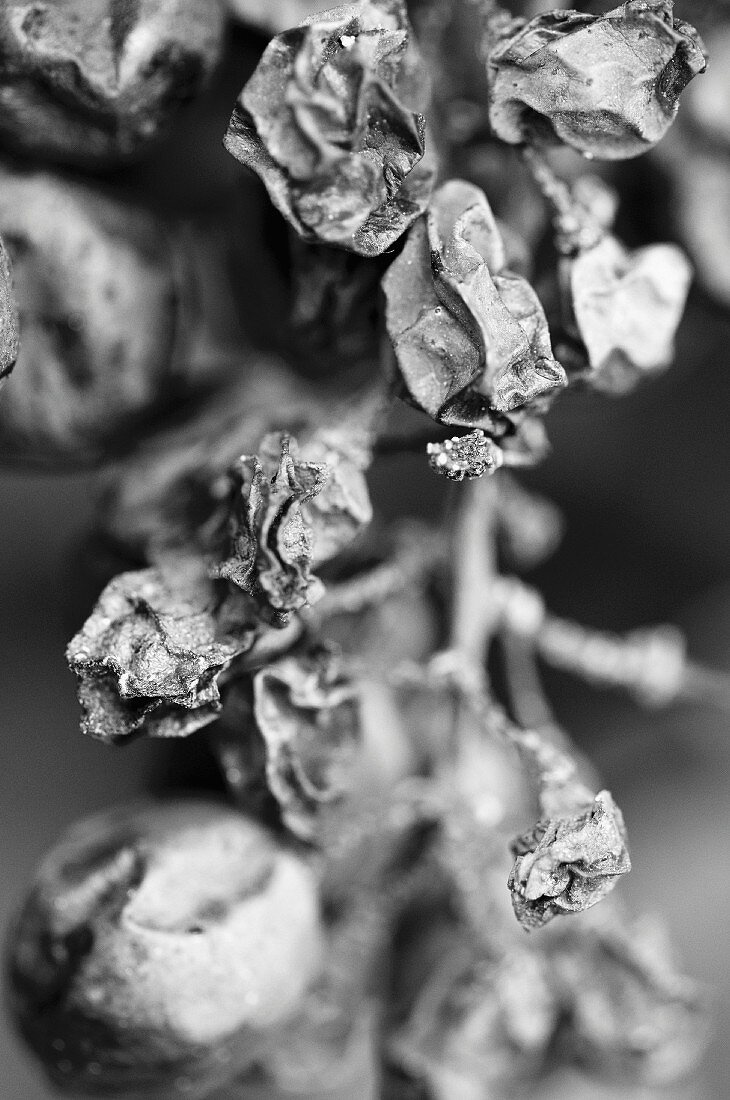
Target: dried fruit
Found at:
x=289, y=512
x=96, y=298
x=605, y=85
x=568, y=864
x=149, y=656
x=161, y=946
x=307, y=711
x=329, y=121
x=90, y=82
x=470, y=337
x=627, y=307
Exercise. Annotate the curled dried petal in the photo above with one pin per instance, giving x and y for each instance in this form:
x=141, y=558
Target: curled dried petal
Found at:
x=271, y=546
x=95, y=81
x=149, y=656
x=322, y=122
x=566, y=865
x=627, y=306
x=605, y=85
x=470, y=337
x=307, y=710
x=292, y=509
x=162, y=943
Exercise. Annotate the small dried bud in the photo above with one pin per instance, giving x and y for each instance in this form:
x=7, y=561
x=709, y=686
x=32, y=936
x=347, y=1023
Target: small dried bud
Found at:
x=628, y=1013
x=627, y=306
x=149, y=656
x=159, y=948
x=90, y=82
x=472, y=455
x=96, y=298
x=323, y=121
x=307, y=711
x=605, y=85
x=568, y=864
x=291, y=511
x=469, y=336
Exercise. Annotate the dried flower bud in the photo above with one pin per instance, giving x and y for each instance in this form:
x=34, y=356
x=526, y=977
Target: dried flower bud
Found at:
x=568, y=864
x=605, y=85
x=307, y=710
x=149, y=656
x=627, y=306
x=159, y=950
x=324, y=122
x=628, y=1013
x=469, y=336
x=289, y=512
x=471, y=455
x=96, y=298
x=480, y=1027
x=95, y=81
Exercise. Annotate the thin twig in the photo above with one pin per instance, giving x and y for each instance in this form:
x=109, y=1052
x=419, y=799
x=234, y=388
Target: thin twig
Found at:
x=576, y=228
x=416, y=555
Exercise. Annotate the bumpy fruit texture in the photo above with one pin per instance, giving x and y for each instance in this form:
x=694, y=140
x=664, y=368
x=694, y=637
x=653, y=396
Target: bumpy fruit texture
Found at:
x=607, y=86
x=330, y=121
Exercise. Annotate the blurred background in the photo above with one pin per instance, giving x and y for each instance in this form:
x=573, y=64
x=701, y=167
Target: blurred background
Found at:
x=643, y=482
